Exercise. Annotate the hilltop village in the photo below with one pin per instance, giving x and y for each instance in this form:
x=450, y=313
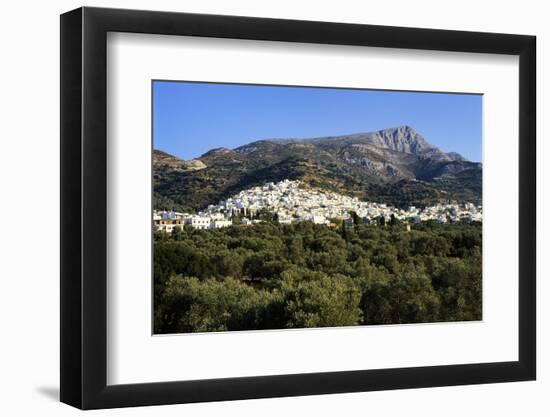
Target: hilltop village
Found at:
x=291, y=201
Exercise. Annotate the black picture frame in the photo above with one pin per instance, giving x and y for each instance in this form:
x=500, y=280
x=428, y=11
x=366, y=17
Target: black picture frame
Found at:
x=84, y=207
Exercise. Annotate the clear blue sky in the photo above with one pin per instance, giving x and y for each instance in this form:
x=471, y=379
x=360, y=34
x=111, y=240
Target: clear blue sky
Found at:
x=192, y=118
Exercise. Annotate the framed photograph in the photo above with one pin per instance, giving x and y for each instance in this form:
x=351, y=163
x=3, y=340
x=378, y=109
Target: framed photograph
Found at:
x=257, y=208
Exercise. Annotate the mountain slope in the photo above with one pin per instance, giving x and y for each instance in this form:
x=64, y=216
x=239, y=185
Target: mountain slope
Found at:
x=396, y=166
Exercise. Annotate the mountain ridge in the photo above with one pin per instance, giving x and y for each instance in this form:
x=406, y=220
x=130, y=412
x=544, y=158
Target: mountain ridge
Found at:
x=400, y=139
x=395, y=165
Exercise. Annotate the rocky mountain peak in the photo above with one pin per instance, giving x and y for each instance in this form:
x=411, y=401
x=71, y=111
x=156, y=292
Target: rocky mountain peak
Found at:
x=402, y=139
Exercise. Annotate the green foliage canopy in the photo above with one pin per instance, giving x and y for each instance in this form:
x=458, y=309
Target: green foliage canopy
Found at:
x=271, y=276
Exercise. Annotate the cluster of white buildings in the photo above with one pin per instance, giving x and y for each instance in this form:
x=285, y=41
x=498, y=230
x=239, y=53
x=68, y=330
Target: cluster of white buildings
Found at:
x=169, y=220
x=293, y=202
x=449, y=212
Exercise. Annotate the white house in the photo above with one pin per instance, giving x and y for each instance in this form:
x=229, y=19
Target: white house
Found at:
x=219, y=223
x=198, y=222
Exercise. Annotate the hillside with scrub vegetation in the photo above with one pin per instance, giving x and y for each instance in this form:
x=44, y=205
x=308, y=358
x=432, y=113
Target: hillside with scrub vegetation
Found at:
x=394, y=166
